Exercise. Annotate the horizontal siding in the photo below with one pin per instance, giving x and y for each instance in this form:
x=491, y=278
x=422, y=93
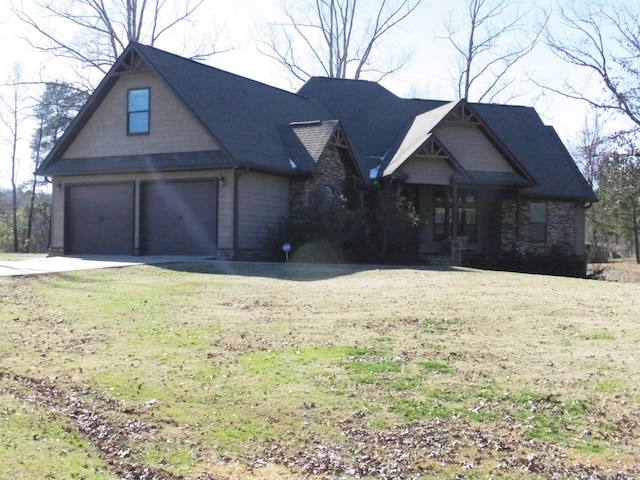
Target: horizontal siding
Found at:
x=225, y=211
x=471, y=148
x=263, y=202
x=57, y=219
x=431, y=171
x=172, y=127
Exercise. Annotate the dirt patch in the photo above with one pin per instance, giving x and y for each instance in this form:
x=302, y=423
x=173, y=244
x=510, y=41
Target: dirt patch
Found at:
x=623, y=271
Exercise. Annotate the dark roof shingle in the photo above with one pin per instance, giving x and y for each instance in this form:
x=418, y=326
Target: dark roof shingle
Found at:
x=269, y=129
x=375, y=120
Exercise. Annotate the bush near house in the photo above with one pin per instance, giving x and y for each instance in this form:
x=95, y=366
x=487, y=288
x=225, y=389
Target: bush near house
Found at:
x=337, y=229
x=556, y=261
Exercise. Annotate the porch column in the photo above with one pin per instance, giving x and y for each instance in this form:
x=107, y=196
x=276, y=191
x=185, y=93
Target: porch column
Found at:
x=136, y=218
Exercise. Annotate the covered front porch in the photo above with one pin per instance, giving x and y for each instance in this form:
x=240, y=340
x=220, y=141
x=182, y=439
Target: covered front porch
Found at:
x=459, y=216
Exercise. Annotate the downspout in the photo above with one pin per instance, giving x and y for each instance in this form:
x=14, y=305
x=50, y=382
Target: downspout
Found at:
x=236, y=216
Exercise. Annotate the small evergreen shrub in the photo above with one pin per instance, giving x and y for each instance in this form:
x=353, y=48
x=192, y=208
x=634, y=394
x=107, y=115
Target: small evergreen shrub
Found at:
x=556, y=261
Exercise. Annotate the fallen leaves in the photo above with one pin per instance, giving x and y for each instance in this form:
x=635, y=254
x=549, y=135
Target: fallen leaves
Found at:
x=110, y=435
x=412, y=451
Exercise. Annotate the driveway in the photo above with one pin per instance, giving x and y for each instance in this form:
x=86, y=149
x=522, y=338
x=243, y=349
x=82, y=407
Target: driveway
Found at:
x=39, y=266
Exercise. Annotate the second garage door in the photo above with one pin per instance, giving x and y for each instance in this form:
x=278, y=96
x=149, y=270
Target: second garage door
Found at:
x=179, y=217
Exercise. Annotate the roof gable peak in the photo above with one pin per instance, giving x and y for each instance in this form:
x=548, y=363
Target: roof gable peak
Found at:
x=462, y=113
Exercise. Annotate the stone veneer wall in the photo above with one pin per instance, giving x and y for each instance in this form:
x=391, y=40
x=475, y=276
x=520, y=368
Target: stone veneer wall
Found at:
x=326, y=183
x=560, y=225
x=508, y=227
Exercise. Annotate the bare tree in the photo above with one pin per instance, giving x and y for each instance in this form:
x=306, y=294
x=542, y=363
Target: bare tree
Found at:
x=12, y=113
x=336, y=38
x=494, y=37
x=602, y=38
x=93, y=33
x=592, y=145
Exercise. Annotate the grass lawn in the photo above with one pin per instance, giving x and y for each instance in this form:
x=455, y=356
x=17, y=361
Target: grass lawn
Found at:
x=237, y=370
x=20, y=256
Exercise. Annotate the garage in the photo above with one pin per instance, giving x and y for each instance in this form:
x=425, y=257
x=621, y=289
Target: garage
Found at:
x=99, y=219
x=179, y=217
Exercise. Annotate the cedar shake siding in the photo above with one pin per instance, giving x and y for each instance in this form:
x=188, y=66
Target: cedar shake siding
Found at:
x=471, y=148
x=429, y=171
x=172, y=127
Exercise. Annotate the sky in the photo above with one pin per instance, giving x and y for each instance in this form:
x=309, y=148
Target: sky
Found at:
x=238, y=23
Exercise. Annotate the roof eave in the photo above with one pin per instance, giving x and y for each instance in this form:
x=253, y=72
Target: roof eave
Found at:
x=92, y=104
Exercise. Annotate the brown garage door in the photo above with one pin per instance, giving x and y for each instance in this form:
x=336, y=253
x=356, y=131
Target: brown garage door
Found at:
x=99, y=219
x=179, y=217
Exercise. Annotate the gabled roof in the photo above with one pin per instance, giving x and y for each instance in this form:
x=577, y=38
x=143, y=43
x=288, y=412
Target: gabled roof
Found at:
x=242, y=116
x=307, y=141
x=539, y=148
x=377, y=122
x=314, y=136
x=420, y=132
x=264, y=128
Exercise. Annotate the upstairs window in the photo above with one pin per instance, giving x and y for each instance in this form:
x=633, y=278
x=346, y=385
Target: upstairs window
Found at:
x=138, y=111
x=538, y=222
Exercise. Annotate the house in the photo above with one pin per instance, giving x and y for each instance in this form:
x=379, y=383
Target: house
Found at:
x=170, y=156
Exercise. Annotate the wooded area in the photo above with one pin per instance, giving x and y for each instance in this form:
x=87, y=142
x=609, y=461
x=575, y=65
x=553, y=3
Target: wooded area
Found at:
x=32, y=222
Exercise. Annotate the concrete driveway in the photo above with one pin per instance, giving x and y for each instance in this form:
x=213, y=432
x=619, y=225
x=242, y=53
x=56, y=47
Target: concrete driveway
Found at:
x=39, y=266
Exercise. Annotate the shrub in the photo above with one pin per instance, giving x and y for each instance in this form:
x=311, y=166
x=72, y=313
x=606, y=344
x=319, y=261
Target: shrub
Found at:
x=597, y=254
x=338, y=230
x=556, y=261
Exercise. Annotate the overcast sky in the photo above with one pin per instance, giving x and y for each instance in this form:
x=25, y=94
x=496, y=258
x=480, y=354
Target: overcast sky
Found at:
x=428, y=74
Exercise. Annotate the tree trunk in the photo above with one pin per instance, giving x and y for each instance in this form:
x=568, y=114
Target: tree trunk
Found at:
x=635, y=230
x=14, y=213
x=32, y=200
x=14, y=173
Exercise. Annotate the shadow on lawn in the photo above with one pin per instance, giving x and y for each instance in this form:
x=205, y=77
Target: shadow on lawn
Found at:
x=297, y=272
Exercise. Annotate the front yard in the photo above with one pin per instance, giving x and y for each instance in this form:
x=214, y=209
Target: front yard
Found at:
x=238, y=370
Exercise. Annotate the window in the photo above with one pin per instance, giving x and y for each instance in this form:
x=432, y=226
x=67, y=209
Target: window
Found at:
x=441, y=212
x=467, y=215
x=467, y=224
x=138, y=111
x=440, y=223
x=537, y=222
x=467, y=212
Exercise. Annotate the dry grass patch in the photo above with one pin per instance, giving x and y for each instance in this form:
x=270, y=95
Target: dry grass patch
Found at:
x=627, y=271
x=337, y=371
